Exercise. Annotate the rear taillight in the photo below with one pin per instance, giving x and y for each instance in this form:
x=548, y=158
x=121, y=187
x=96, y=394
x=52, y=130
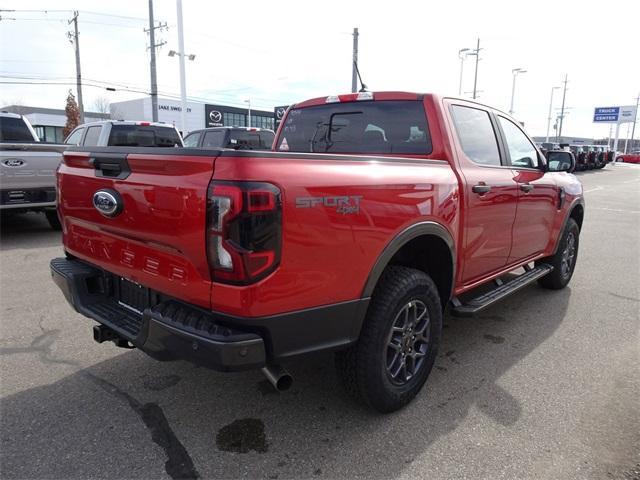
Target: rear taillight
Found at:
x=244, y=223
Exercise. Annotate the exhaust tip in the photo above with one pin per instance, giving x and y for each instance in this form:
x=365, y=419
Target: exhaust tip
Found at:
x=284, y=383
x=278, y=377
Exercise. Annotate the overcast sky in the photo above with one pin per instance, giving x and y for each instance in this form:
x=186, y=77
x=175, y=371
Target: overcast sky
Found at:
x=281, y=52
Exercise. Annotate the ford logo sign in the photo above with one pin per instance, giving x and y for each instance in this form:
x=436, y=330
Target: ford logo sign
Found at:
x=14, y=162
x=108, y=202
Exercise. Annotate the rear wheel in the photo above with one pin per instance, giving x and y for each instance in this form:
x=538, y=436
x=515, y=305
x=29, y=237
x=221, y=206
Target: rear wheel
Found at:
x=398, y=342
x=52, y=218
x=564, y=261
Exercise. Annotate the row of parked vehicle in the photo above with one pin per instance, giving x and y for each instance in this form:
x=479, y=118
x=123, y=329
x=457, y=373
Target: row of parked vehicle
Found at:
x=588, y=157
x=28, y=166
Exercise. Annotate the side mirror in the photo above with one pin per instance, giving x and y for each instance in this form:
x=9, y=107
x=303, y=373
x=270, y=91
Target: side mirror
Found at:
x=560, y=161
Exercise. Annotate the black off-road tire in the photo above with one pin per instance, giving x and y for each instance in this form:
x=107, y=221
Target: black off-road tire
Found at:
x=53, y=219
x=560, y=277
x=363, y=367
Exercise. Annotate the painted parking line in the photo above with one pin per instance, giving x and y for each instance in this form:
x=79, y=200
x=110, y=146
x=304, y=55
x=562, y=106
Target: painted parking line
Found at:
x=595, y=189
x=614, y=210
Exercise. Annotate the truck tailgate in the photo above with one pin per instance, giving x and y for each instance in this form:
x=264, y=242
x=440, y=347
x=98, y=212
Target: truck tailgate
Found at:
x=157, y=237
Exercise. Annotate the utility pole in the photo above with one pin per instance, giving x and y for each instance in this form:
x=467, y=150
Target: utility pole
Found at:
x=73, y=38
x=475, y=77
x=633, y=130
x=152, y=47
x=354, y=66
x=183, y=86
x=462, y=53
x=550, y=108
x=564, y=94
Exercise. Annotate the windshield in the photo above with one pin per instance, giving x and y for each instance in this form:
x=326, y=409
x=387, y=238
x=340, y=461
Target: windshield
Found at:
x=143, y=136
x=398, y=127
x=14, y=130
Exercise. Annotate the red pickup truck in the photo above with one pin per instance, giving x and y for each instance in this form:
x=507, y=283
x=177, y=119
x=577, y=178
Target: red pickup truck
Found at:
x=371, y=215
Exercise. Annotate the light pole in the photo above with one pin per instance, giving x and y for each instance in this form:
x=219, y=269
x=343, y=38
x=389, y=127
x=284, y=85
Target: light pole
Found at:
x=461, y=57
x=550, y=108
x=248, y=101
x=515, y=73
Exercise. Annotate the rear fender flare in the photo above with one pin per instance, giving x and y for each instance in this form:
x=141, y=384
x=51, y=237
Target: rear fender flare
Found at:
x=402, y=238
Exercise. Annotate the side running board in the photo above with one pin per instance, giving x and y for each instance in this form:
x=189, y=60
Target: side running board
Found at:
x=501, y=291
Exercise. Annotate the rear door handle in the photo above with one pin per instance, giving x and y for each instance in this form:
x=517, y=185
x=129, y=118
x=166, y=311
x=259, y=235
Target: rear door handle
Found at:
x=481, y=189
x=526, y=187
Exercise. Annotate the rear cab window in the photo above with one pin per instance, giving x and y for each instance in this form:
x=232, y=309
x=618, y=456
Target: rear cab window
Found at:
x=377, y=127
x=14, y=130
x=143, y=136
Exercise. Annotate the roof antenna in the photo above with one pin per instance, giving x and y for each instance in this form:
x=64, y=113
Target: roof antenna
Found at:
x=363, y=87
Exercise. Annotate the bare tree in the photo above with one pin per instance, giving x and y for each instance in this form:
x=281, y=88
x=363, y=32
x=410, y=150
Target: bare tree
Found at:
x=100, y=105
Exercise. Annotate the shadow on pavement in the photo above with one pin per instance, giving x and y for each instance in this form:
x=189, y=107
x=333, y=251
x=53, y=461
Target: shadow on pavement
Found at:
x=26, y=230
x=133, y=417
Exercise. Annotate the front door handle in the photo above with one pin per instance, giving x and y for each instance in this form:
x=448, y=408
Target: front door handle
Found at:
x=526, y=187
x=481, y=188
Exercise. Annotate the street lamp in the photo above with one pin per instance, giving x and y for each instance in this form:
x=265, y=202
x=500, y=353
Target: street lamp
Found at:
x=515, y=73
x=461, y=57
x=183, y=86
x=550, y=108
x=248, y=100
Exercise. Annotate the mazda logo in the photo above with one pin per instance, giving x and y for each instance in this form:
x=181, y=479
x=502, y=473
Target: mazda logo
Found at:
x=215, y=116
x=280, y=113
x=13, y=162
x=108, y=202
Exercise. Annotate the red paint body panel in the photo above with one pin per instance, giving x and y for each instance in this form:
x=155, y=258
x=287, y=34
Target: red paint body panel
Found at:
x=158, y=240
x=326, y=256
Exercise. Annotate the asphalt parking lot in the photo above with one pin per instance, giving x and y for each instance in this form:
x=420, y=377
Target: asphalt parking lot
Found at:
x=544, y=385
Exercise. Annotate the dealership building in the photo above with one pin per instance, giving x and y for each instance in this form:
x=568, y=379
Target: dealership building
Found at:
x=199, y=115
x=49, y=122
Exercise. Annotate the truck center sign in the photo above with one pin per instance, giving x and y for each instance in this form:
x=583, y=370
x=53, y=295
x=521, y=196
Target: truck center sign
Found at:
x=614, y=114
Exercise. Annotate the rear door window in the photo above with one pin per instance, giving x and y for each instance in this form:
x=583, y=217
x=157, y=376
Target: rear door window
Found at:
x=74, y=138
x=92, y=136
x=476, y=134
x=191, y=140
x=143, y=136
x=383, y=127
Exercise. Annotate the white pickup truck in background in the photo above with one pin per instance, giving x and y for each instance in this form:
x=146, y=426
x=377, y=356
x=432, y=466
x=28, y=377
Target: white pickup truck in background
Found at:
x=28, y=166
x=27, y=169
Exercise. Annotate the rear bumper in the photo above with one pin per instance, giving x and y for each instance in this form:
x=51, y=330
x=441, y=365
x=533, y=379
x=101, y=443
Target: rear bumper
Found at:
x=169, y=329
x=28, y=197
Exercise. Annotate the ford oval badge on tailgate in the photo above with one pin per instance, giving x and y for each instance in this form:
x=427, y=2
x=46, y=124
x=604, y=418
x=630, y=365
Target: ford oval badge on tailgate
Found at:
x=108, y=202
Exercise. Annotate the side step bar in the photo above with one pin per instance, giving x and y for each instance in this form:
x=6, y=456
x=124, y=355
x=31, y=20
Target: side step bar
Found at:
x=501, y=291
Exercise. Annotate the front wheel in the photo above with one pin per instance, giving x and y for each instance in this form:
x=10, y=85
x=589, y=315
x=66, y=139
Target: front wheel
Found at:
x=398, y=343
x=564, y=260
